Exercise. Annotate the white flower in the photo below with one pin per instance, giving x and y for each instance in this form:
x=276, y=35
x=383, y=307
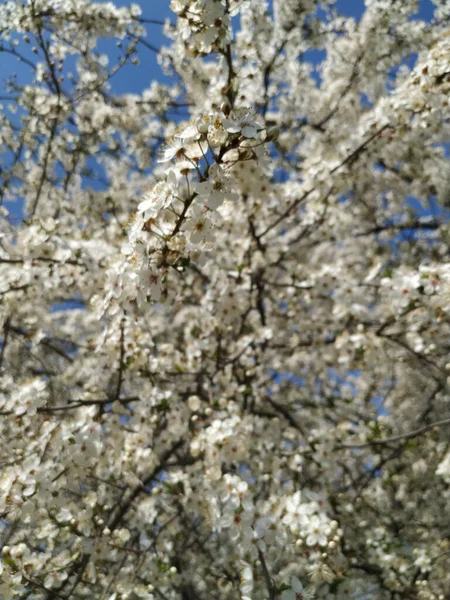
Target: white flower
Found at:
x=151, y=283
x=181, y=149
x=316, y=535
x=443, y=469
x=55, y=579
x=179, y=6
x=152, y=202
x=212, y=125
x=213, y=192
x=162, y=195
x=29, y=397
x=246, y=579
x=297, y=513
x=189, y=134
x=244, y=121
x=212, y=12
x=199, y=225
x=194, y=403
x=295, y=591
x=261, y=526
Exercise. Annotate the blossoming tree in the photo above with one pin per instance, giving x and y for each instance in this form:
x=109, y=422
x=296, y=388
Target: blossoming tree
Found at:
x=225, y=313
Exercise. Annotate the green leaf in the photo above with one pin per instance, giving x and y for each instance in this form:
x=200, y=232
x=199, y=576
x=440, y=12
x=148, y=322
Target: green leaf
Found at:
x=163, y=405
x=10, y=562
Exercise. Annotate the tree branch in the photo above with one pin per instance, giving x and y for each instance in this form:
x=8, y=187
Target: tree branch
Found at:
x=396, y=438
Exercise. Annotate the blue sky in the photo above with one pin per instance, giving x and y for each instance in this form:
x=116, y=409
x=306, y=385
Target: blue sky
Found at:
x=355, y=8
x=136, y=78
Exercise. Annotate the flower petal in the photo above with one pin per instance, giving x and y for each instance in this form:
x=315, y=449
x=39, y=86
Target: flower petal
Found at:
x=249, y=131
x=230, y=126
x=146, y=204
x=203, y=188
x=190, y=134
x=196, y=237
x=215, y=200
x=296, y=584
x=231, y=196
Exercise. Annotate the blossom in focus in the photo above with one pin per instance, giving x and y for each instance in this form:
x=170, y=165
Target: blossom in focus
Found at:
x=244, y=121
x=217, y=188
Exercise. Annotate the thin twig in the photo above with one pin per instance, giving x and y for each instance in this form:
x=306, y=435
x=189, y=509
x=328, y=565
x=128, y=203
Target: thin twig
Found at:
x=267, y=578
x=396, y=438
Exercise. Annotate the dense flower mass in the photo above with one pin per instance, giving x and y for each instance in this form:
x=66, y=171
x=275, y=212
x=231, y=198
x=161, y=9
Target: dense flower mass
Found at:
x=225, y=303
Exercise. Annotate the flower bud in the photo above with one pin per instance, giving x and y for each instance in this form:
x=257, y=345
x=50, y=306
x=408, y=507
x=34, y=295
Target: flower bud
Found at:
x=202, y=125
x=272, y=134
x=194, y=403
x=246, y=154
x=225, y=108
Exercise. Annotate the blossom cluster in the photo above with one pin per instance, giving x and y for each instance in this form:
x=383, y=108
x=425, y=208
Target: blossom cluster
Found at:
x=177, y=220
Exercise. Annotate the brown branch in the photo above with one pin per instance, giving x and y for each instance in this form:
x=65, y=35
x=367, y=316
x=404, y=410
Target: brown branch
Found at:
x=45, y=342
x=45, y=165
x=75, y=404
x=21, y=261
x=231, y=74
x=282, y=410
x=396, y=438
x=431, y=225
x=6, y=330
x=267, y=578
x=121, y=361
x=123, y=509
x=348, y=159
x=345, y=91
x=182, y=216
